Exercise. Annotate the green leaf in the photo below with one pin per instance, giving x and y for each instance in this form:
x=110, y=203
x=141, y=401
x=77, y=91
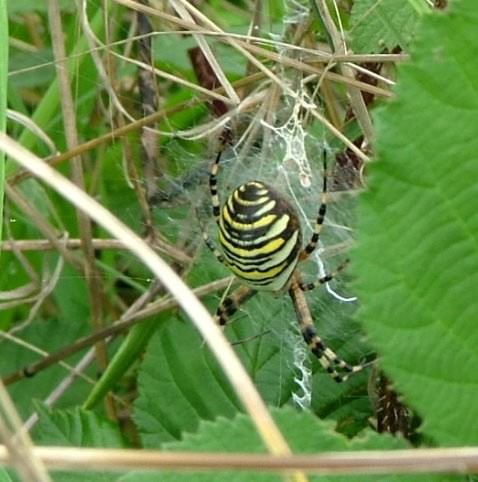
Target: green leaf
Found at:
x=416, y=262
x=50, y=336
x=305, y=434
x=181, y=384
x=420, y=6
x=78, y=428
x=4, y=476
x=177, y=388
x=379, y=24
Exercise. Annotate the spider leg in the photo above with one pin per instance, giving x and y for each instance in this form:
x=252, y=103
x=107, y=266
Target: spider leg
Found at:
x=337, y=368
x=216, y=204
x=324, y=279
x=312, y=244
x=232, y=303
x=212, y=247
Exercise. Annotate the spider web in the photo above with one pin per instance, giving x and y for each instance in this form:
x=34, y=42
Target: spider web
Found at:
x=292, y=162
x=283, y=146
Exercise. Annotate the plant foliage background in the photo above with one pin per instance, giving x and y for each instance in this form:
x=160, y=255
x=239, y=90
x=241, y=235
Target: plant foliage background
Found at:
x=407, y=220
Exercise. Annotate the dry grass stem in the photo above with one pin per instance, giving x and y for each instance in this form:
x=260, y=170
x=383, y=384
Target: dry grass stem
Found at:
x=356, y=100
x=92, y=276
x=386, y=462
x=315, y=55
x=18, y=447
x=246, y=48
x=46, y=245
x=208, y=54
x=97, y=244
x=25, y=121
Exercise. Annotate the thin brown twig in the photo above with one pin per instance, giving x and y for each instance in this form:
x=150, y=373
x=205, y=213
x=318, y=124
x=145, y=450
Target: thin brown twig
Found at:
x=91, y=274
x=4, y=335
x=47, y=245
x=125, y=322
x=149, y=98
x=20, y=245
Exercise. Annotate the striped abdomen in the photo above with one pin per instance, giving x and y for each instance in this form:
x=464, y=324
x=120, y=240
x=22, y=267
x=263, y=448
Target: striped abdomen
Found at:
x=260, y=236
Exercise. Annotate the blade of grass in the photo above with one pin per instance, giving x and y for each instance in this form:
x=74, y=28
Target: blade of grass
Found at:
x=127, y=353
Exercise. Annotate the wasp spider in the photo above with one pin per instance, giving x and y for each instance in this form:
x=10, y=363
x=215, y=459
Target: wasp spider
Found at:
x=261, y=243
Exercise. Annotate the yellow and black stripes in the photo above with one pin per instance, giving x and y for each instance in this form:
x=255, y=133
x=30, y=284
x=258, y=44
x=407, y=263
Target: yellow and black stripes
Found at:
x=324, y=279
x=216, y=205
x=260, y=236
x=312, y=244
x=337, y=368
x=232, y=303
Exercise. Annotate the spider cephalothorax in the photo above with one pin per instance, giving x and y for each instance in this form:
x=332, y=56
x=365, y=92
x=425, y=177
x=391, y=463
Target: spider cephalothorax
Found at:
x=261, y=243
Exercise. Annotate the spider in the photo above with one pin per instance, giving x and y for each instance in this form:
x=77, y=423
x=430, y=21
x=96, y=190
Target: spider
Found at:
x=261, y=243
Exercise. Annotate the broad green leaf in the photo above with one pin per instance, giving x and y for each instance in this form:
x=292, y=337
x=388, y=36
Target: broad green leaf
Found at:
x=417, y=257
x=380, y=24
x=78, y=428
x=305, y=434
x=180, y=383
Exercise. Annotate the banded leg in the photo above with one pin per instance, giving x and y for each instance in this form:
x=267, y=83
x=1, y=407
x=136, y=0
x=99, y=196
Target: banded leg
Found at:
x=312, y=244
x=327, y=357
x=215, y=202
x=212, y=247
x=232, y=303
x=324, y=279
